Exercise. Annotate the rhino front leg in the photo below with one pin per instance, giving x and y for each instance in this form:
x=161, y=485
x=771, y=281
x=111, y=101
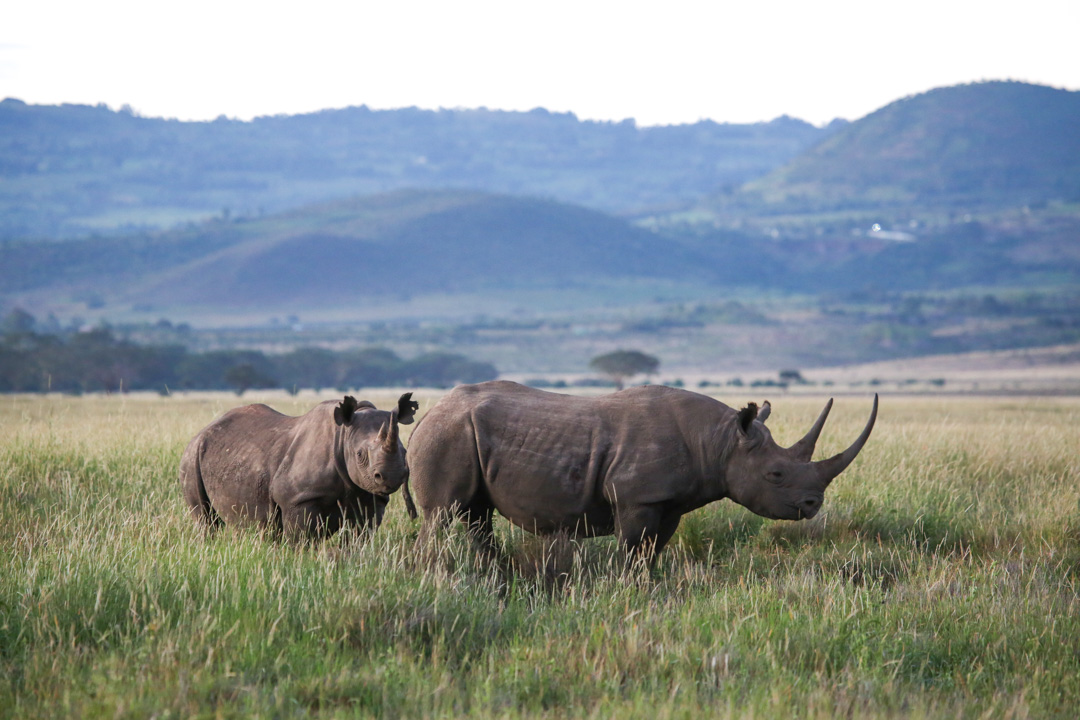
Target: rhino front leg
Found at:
x=309, y=520
x=644, y=531
x=477, y=516
x=365, y=512
x=668, y=525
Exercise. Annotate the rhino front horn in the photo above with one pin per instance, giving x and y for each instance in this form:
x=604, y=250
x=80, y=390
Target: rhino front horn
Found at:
x=830, y=468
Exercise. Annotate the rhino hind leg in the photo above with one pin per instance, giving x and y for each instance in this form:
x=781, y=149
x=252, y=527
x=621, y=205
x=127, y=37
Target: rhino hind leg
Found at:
x=200, y=508
x=203, y=513
x=482, y=530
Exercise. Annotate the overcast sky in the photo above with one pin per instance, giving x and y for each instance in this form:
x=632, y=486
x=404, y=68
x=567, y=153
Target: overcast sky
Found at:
x=663, y=62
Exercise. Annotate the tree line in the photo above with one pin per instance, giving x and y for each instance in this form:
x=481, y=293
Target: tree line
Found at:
x=98, y=361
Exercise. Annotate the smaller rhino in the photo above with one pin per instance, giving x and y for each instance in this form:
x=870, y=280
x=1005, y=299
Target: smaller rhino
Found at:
x=306, y=475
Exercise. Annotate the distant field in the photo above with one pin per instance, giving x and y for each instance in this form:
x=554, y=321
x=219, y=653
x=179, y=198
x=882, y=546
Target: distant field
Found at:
x=942, y=579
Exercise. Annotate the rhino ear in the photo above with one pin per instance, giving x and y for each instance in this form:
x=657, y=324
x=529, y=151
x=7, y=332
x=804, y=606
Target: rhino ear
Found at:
x=746, y=417
x=763, y=415
x=406, y=409
x=343, y=413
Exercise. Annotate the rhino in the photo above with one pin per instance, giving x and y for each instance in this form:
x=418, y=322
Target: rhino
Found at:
x=631, y=463
x=306, y=475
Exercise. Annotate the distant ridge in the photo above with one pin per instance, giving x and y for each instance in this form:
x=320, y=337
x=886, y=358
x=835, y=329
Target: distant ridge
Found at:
x=978, y=145
x=77, y=170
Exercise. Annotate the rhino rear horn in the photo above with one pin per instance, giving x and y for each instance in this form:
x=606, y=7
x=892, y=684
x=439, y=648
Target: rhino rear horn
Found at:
x=804, y=449
x=829, y=469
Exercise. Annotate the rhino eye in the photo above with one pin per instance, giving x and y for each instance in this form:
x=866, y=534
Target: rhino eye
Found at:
x=774, y=476
x=362, y=457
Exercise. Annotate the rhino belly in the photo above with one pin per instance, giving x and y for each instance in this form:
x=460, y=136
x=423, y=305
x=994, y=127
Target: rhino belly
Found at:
x=595, y=523
x=545, y=505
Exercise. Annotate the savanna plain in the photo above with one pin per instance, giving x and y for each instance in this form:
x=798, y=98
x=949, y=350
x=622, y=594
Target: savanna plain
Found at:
x=942, y=579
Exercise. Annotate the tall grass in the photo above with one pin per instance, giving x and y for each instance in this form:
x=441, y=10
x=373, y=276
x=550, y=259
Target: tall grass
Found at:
x=941, y=580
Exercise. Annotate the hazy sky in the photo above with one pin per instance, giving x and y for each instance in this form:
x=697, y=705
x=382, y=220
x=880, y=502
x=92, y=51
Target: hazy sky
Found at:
x=663, y=62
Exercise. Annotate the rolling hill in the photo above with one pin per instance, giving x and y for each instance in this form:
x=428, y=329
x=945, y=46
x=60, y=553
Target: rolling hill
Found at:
x=992, y=144
x=330, y=259
x=393, y=245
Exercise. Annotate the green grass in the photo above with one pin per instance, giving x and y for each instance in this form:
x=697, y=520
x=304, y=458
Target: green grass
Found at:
x=941, y=580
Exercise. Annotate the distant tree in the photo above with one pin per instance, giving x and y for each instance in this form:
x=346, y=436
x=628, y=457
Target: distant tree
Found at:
x=307, y=367
x=623, y=364
x=369, y=367
x=440, y=369
x=245, y=376
x=16, y=322
x=792, y=377
x=207, y=370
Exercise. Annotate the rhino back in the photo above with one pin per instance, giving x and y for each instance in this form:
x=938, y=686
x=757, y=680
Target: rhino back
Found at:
x=239, y=453
x=547, y=460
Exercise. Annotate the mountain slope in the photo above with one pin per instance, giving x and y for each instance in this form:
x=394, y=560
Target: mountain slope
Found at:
x=402, y=243
x=452, y=253
x=986, y=144
x=440, y=242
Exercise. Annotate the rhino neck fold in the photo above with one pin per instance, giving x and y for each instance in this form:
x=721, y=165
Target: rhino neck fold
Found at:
x=714, y=450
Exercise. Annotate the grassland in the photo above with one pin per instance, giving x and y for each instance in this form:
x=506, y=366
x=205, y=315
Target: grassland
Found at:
x=941, y=580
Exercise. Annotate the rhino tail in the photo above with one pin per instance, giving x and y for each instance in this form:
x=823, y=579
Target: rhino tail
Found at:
x=410, y=507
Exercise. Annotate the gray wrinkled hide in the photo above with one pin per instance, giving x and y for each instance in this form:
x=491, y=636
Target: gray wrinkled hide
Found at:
x=308, y=475
x=631, y=463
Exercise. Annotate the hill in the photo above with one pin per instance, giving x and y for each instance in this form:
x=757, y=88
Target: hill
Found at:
x=992, y=144
x=539, y=286
x=392, y=246
x=456, y=251
x=75, y=170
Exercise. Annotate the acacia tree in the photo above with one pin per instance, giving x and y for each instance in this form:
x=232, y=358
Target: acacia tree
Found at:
x=623, y=364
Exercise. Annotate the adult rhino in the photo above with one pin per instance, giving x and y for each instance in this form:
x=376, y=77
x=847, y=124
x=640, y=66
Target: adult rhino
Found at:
x=631, y=463
x=307, y=475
